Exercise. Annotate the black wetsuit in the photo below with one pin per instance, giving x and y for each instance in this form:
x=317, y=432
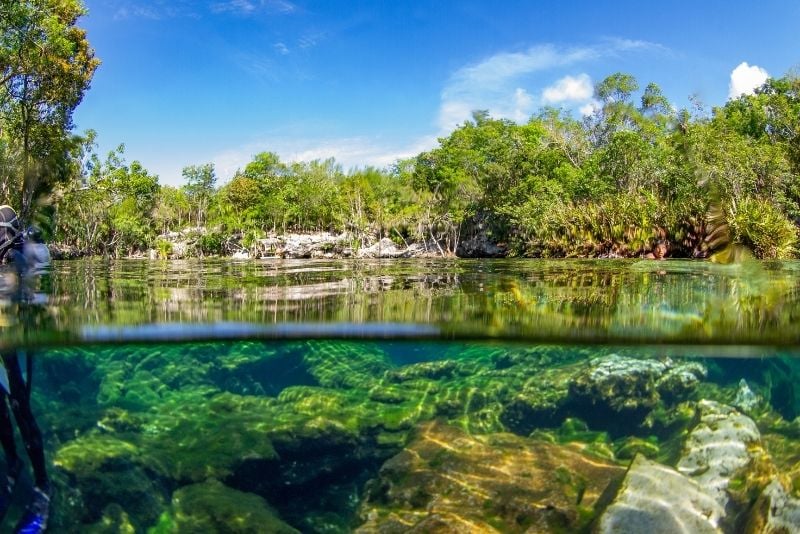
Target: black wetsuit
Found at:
x=19, y=398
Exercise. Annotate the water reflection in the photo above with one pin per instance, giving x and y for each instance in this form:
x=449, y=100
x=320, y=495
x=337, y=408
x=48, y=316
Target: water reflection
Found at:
x=577, y=301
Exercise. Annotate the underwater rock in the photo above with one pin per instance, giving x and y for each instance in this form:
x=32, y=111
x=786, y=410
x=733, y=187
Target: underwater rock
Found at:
x=337, y=364
x=632, y=446
x=633, y=386
x=448, y=481
x=656, y=499
x=722, y=445
x=435, y=370
x=197, y=437
x=114, y=520
x=103, y=472
x=213, y=507
x=540, y=402
x=746, y=400
x=775, y=512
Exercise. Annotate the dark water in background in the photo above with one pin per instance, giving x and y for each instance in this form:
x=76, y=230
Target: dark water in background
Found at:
x=327, y=396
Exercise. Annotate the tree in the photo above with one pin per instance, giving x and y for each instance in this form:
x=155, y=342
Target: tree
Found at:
x=46, y=65
x=200, y=182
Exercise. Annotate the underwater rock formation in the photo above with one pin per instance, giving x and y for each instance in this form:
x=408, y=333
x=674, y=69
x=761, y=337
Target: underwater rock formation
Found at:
x=631, y=386
x=448, y=481
x=722, y=445
x=775, y=512
x=722, y=467
x=656, y=499
x=614, y=392
x=213, y=507
x=746, y=400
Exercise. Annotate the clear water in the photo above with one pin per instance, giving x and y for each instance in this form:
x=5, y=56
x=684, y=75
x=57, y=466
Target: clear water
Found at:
x=327, y=396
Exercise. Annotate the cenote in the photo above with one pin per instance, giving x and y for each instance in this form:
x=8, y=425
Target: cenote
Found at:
x=415, y=396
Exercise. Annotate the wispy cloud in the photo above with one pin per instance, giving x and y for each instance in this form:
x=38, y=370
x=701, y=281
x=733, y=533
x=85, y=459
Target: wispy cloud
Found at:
x=258, y=66
x=154, y=10
x=310, y=40
x=745, y=79
x=497, y=82
x=249, y=7
x=281, y=49
x=168, y=9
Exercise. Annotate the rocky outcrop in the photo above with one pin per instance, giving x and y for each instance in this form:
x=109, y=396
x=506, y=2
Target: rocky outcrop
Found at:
x=477, y=238
x=722, y=445
x=448, y=481
x=327, y=245
x=624, y=384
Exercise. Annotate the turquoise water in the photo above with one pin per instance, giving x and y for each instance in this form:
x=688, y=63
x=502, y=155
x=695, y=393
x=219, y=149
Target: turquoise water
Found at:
x=453, y=396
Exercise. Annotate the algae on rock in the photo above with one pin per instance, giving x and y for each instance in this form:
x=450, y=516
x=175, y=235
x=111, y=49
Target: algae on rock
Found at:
x=211, y=506
x=448, y=481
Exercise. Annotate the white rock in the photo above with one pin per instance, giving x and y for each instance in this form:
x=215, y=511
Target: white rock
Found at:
x=718, y=447
x=655, y=499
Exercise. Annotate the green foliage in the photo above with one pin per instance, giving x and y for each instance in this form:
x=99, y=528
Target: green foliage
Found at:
x=163, y=248
x=761, y=226
x=210, y=244
x=109, y=209
x=46, y=65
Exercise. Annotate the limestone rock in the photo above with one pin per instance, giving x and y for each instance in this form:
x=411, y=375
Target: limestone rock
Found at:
x=746, y=400
x=775, y=512
x=385, y=248
x=659, y=500
x=448, y=481
x=633, y=385
x=723, y=443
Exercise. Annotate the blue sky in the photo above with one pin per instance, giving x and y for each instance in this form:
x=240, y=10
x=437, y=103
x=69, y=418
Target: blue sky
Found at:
x=192, y=81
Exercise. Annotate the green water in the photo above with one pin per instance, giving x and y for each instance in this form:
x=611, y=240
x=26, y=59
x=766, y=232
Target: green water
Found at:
x=308, y=396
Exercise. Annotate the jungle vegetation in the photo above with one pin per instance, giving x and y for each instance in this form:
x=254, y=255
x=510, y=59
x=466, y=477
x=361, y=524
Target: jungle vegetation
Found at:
x=634, y=172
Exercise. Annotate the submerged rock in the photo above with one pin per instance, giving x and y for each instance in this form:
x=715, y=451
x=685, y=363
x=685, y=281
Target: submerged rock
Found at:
x=746, y=400
x=629, y=386
x=213, y=507
x=775, y=512
x=448, y=481
x=656, y=499
x=722, y=445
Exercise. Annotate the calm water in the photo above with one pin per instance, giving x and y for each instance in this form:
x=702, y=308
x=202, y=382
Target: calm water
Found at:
x=441, y=396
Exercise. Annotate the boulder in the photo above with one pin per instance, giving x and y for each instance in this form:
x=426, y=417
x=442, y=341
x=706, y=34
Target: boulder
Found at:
x=448, y=481
x=211, y=506
x=633, y=386
x=723, y=445
x=657, y=499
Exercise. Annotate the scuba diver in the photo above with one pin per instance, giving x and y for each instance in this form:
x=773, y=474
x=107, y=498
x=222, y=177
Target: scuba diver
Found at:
x=29, y=257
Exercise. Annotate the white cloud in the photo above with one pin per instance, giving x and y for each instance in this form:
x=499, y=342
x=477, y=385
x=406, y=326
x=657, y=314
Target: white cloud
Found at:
x=281, y=48
x=569, y=89
x=745, y=79
x=523, y=104
x=493, y=83
x=589, y=107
